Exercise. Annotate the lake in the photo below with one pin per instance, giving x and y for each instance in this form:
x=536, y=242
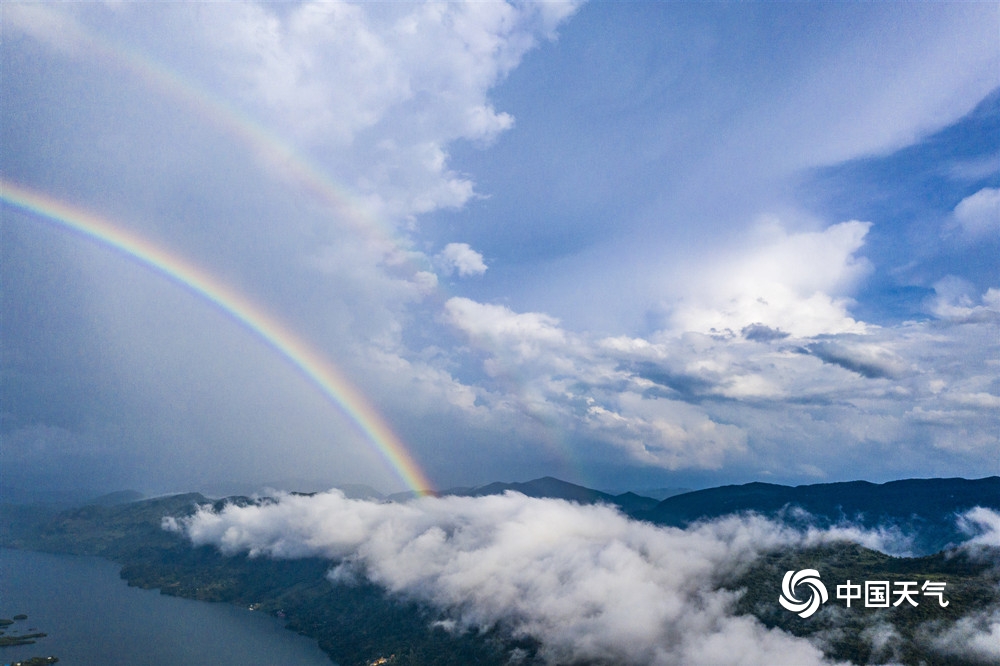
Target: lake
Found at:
x=92, y=616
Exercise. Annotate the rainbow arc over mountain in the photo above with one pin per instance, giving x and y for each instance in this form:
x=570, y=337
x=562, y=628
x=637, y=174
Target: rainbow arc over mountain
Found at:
x=318, y=370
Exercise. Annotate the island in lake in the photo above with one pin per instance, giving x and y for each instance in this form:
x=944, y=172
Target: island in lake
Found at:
x=22, y=639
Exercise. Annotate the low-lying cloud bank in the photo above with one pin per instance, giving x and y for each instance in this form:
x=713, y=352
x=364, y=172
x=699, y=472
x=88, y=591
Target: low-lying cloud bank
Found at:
x=974, y=637
x=586, y=581
x=982, y=525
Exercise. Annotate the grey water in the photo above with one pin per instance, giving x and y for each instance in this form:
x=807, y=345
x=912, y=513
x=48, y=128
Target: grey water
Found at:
x=92, y=616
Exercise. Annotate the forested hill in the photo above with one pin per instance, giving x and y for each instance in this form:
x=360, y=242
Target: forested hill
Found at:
x=358, y=623
x=926, y=508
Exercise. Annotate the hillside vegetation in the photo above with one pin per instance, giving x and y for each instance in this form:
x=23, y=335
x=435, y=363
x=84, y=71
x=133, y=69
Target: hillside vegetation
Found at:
x=358, y=623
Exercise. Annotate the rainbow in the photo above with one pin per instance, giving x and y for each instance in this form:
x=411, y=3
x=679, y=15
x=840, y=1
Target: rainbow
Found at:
x=312, y=364
x=287, y=160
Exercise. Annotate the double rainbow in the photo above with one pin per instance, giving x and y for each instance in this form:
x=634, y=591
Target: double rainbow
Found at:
x=308, y=361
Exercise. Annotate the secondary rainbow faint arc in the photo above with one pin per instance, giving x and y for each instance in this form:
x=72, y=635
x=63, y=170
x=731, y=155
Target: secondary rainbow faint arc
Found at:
x=319, y=371
x=283, y=156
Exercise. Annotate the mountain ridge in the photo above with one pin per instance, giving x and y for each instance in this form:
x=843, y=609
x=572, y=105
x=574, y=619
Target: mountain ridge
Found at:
x=359, y=623
x=923, y=511
x=925, y=508
x=553, y=488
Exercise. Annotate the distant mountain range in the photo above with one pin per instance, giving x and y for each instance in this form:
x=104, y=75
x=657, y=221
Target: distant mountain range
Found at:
x=860, y=501
x=923, y=509
x=64, y=498
x=551, y=487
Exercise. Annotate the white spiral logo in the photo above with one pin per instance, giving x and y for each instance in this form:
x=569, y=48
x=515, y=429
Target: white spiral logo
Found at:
x=817, y=593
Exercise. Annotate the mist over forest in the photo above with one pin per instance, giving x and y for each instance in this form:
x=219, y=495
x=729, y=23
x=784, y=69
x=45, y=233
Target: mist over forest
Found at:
x=513, y=332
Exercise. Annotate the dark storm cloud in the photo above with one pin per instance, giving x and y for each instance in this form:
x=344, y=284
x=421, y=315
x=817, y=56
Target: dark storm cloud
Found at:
x=870, y=362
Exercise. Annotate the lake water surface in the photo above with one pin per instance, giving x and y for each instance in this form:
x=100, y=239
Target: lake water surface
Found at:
x=92, y=617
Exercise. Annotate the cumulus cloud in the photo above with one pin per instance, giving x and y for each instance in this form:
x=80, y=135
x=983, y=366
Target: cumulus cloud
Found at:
x=370, y=95
x=585, y=581
x=582, y=385
x=763, y=327
x=757, y=354
x=978, y=216
x=498, y=327
x=792, y=282
x=385, y=87
x=956, y=299
x=460, y=258
x=667, y=433
x=701, y=401
x=394, y=56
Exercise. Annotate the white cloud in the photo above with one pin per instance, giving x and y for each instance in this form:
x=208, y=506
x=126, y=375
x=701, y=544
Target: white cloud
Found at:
x=374, y=95
x=666, y=433
x=57, y=30
x=498, y=327
x=975, y=638
x=978, y=216
x=956, y=299
x=885, y=641
x=337, y=68
x=461, y=258
x=980, y=400
x=369, y=94
x=419, y=386
x=991, y=299
x=975, y=168
x=699, y=401
x=578, y=385
x=585, y=581
x=379, y=91
x=983, y=525
x=905, y=74
x=795, y=282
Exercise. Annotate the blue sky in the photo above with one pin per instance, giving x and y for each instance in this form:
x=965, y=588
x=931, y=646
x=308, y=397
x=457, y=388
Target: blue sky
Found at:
x=632, y=245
